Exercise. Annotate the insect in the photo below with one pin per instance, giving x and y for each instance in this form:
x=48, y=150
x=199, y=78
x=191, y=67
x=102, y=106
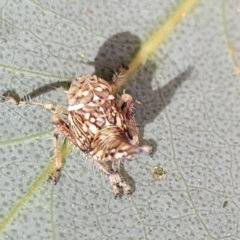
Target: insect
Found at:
x=99, y=125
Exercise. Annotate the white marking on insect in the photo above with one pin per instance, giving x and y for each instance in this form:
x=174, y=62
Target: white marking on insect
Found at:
x=87, y=116
x=93, y=129
x=92, y=119
x=85, y=93
x=99, y=89
x=75, y=107
x=96, y=98
x=111, y=97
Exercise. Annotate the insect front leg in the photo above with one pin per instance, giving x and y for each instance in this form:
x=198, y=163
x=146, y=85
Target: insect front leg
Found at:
x=125, y=105
x=62, y=127
x=49, y=106
x=118, y=76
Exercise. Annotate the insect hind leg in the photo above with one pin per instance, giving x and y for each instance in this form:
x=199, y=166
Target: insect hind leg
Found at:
x=118, y=178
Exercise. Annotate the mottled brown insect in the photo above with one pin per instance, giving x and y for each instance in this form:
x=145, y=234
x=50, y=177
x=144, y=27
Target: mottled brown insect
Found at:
x=103, y=128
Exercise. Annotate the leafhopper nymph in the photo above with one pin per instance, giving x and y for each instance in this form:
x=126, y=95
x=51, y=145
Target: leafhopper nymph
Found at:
x=97, y=124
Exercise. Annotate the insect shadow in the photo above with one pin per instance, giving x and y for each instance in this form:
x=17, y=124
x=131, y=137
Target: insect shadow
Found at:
x=121, y=49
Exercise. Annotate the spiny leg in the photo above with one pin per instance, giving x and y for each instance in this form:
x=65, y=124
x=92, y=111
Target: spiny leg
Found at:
x=117, y=178
x=58, y=159
x=117, y=184
x=126, y=107
x=61, y=128
x=118, y=75
x=120, y=182
x=129, y=182
x=49, y=106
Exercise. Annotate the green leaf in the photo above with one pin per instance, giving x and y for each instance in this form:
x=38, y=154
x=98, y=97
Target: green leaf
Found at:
x=184, y=69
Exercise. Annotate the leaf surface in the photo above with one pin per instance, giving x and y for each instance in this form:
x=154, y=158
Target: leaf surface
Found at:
x=184, y=69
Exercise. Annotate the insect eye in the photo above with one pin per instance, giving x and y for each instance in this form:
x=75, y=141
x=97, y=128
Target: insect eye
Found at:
x=123, y=105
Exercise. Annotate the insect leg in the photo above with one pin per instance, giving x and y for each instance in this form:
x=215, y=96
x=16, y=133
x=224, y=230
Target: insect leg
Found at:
x=49, y=106
x=117, y=178
x=61, y=128
x=118, y=76
x=58, y=159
